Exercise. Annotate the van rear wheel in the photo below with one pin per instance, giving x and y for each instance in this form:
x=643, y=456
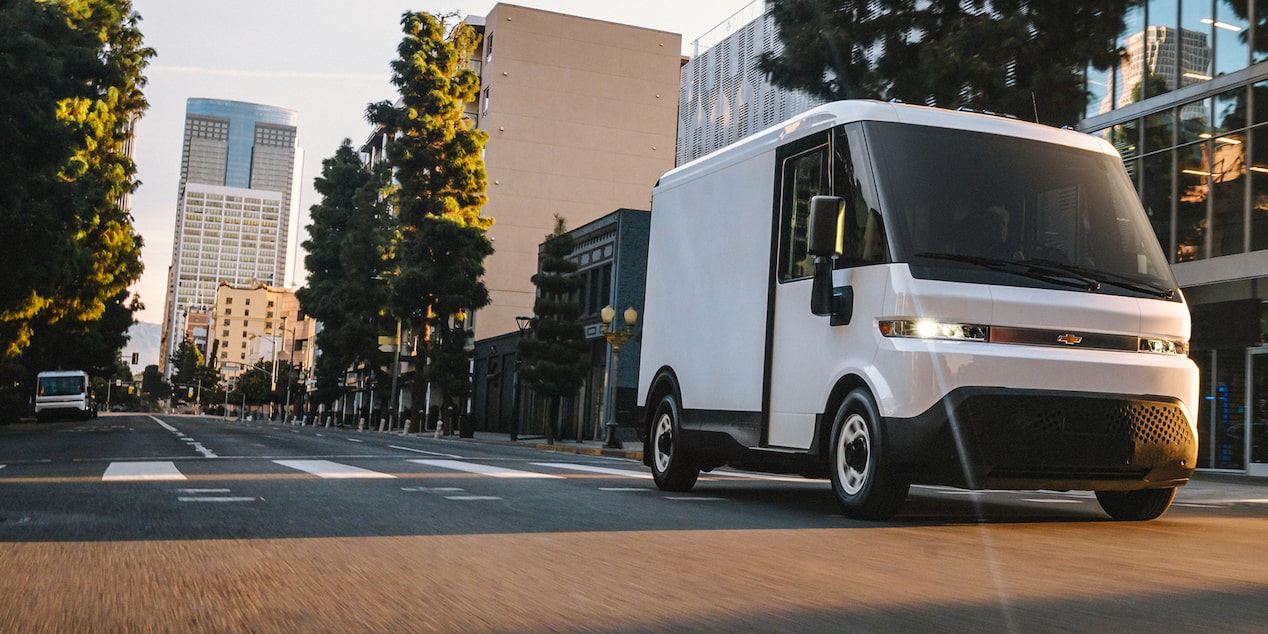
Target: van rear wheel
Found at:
x=862, y=477
x=1136, y=506
x=672, y=468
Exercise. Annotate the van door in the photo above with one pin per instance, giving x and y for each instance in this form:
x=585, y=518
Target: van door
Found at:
x=805, y=351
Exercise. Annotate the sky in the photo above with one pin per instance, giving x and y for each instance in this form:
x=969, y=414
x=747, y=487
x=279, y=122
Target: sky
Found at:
x=325, y=59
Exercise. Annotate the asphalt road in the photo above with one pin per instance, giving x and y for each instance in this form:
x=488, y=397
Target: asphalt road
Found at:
x=170, y=523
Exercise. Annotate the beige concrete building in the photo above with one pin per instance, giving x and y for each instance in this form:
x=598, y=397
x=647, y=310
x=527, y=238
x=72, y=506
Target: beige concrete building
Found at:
x=582, y=117
x=258, y=322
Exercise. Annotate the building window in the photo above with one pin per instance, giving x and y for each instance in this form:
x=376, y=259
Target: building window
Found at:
x=248, y=301
x=484, y=107
x=226, y=322
x=228, y=300
x=228, y=311
x=247, y=312
x=225, y=334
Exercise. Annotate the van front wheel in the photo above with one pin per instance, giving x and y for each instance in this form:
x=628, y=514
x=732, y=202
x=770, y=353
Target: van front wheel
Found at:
x=672, y=468
x=1136, y=506
x=862, y=477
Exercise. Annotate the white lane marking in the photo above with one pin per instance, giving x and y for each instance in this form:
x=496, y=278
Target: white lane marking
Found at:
x=1051, y=501
x=589, y=469
x=3, y=466
x=331, y=470
x=430, y=453
x=165, y=425
x=216, y=499
x=353, y=440
x=202, y=490
x=624, y=489
x=141, y=471
x=196, y=446
x=431, y=489
x=466, y=498
x=1199, y=506
x=496, y=472
x=695, y=499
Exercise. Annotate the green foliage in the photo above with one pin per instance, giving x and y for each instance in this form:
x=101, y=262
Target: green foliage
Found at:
x=347, y=250
x=1010, y=56
x=436, y=153
x=72, y=77
x=189, y=368
x=553, y=356
x=153, y=386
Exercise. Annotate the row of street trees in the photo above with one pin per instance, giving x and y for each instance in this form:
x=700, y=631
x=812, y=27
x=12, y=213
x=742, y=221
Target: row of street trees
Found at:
x=403, y=243
x=72, y=72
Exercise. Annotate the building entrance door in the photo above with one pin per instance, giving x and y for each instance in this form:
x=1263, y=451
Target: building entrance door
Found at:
x=1257, y=411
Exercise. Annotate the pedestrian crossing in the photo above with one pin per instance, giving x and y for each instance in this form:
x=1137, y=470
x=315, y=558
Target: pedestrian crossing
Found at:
x=340, y=469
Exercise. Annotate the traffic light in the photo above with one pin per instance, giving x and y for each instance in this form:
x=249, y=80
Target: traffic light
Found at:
x=136, y=358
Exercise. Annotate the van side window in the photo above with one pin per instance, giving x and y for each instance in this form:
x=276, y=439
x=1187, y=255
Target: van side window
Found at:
x=864, y=233
x=804, y=176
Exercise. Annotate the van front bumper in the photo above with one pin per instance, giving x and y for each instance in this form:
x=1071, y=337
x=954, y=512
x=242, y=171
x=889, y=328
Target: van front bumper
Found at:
x=999, y=438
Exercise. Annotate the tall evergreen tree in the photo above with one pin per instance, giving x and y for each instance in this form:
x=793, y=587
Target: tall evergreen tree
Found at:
x=1018, y=57
x=553, y=357
x=436, y=154
x=347, y=247
x=72, y=71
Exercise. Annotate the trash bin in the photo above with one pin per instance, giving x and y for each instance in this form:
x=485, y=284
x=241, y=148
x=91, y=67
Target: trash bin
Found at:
x=466, y=426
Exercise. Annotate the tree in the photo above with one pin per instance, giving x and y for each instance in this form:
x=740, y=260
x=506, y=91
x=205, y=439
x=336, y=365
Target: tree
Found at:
x=553, y=357
x=436, y=154
x=190, y=370
x=72, y=71
x=346, y=262
x=1010, y=56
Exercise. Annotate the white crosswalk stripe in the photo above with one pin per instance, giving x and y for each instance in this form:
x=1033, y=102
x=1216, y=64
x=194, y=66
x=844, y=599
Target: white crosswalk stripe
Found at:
x=141, y=471
x=591, y=469
x=331, y=470
x=471, y=467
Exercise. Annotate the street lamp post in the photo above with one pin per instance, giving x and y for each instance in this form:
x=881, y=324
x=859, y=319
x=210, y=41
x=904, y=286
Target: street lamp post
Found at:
x=616, y=339
x=523, y=323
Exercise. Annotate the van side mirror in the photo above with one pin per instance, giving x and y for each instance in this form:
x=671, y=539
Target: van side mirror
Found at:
x=826, y=216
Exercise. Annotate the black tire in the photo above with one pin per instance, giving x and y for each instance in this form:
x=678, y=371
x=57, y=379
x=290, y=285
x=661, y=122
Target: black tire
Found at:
x=672, y=468
x=862, y=477
x=1136, y=506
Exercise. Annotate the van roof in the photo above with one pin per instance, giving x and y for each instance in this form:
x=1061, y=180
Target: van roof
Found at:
x=832, y=114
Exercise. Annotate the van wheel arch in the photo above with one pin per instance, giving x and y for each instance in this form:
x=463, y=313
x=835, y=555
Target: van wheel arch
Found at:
x=823, y=432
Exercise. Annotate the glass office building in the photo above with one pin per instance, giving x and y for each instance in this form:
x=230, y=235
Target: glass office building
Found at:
x=1187, y=106
x=237, y=202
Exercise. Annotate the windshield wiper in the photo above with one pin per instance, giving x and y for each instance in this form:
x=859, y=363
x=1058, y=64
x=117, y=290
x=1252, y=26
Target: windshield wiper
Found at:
x=1116, y=279
x=1034, y=269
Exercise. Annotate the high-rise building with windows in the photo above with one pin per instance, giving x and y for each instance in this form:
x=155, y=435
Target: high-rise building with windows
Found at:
x=237, y=200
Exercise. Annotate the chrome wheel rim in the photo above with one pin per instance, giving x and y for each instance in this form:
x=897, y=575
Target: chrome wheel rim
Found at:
x=663, y=442
x=853, y=454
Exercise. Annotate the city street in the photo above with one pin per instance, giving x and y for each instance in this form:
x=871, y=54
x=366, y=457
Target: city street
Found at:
x=133, y=522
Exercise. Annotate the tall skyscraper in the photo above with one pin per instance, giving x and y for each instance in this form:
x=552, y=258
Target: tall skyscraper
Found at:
x=236, y=202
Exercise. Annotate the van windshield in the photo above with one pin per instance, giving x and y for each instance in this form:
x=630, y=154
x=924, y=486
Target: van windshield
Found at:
x=61, y=385
x=976, y=207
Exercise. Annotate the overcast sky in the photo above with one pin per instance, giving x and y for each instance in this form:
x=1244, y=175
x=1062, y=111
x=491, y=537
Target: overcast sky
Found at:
x=325, y=59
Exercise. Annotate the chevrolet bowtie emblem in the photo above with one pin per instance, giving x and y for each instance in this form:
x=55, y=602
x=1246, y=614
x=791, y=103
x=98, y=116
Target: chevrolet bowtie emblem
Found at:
x=1070, y=340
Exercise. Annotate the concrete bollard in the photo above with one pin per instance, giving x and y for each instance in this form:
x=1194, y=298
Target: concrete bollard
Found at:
x=327, y=422
x=361, y=424
x=405, y=430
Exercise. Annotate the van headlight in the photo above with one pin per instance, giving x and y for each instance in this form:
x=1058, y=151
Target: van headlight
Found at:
x=931, y=329
x=1164, y=346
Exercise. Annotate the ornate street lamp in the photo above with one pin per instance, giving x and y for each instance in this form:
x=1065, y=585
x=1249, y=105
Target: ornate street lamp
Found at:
x=616, y=339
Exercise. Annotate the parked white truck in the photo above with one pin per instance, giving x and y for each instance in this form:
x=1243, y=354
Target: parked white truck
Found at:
x=890, y=294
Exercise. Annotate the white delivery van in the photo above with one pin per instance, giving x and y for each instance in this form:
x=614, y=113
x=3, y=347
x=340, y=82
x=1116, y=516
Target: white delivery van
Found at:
x=63, y=393
x=892, y=294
